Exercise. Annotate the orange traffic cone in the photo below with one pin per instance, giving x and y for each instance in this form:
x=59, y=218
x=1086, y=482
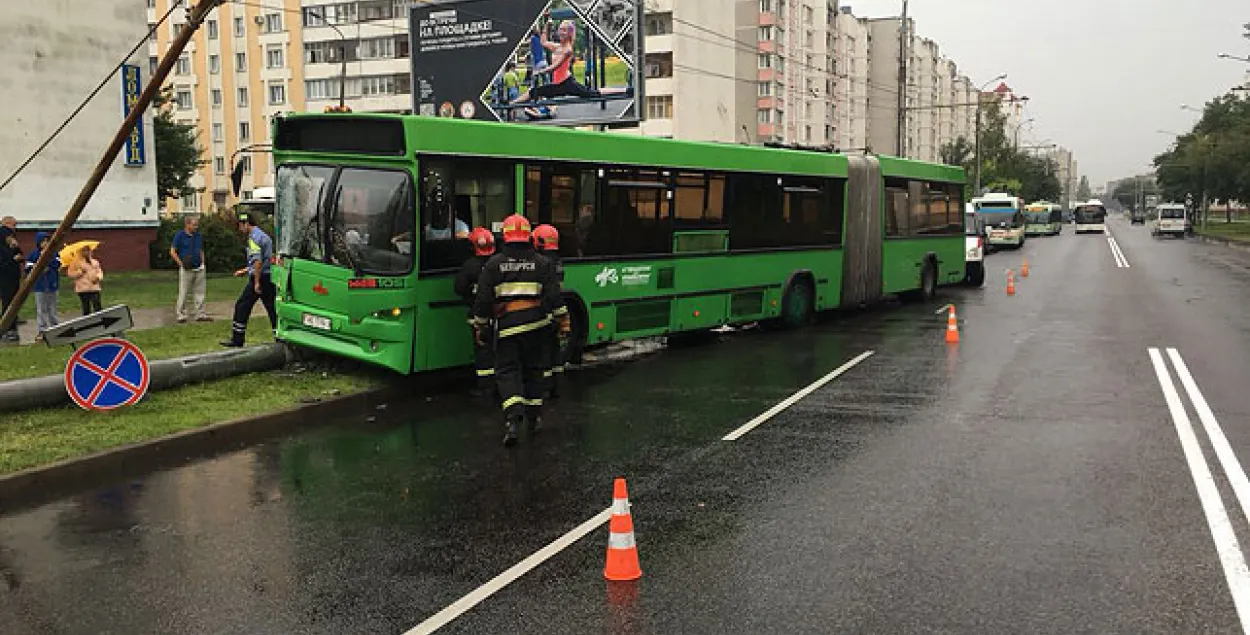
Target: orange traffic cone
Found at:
x=1011, y=282
x=1024, y=269
x=952, y=327
x=622, y=550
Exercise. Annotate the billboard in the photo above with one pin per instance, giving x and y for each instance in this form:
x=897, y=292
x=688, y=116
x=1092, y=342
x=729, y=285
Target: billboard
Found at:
x=131, y=87
x=553, y=62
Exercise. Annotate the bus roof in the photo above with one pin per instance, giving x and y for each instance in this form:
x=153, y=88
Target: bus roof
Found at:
x=436, y=135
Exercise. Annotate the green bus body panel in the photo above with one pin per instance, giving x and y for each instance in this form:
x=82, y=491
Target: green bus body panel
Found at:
x=905, y=258
x=700, y=286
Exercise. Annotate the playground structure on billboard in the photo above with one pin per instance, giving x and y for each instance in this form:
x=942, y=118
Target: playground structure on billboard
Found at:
x=570, y=62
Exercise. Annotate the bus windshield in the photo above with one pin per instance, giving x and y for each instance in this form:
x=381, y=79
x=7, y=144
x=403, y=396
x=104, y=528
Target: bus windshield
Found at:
x=999, y=218
x=364, y=224
x=1090, y=215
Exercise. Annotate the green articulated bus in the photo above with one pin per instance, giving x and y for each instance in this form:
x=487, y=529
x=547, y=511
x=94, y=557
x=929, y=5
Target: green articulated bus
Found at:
x=1043, y=219
x=658, y=236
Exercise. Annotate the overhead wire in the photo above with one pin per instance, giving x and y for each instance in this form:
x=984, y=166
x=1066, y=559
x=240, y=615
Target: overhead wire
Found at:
x=90, y=96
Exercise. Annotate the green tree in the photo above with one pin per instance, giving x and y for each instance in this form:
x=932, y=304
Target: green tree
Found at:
x=958, y=152
x=1212, y=161
x=1083, y=193
x=1127, y=192
x=1003, y=167
x=178, y=153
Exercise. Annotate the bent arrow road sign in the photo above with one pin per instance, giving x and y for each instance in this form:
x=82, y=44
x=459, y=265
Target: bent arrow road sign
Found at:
x=110, y=321
x=106, y=374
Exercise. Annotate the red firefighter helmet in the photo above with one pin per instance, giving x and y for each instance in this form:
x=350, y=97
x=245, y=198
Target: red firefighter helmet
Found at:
x=516, y=229
x=483, y=241
x=546, y=238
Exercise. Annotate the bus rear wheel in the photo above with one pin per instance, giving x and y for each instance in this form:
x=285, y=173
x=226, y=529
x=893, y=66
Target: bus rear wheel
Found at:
x=798, y=306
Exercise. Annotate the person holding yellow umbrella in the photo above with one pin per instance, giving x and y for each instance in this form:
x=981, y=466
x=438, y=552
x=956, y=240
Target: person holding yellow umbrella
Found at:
x=79, y=260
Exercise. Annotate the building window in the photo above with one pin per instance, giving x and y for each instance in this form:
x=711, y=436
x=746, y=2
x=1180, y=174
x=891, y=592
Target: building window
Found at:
x=216, y=96
x=273, y=56
x=151, y=4
x=241, y=97
x=182, y=97
x=239, y=27
x=659, y=65
x=376, y=49
x=153, y=62
x=211, y=27
x=343, y=13
x=218, y=132
x=766, y=34
x=240, y=62
x=766, y=89
x=277, y=93
x=660, y=24
x=660, y=107
x=377, y=10
x=328, y=52
x=191, y=200
x=152, y=31
x=214, y=64
x=808, y=16
x=273, y=22
x=766, y=6
x=764, y=116
x=219, y=165
x=177, y=28
x=246, y=162
x=245, y=132
x=766, y=60
x=183, y=66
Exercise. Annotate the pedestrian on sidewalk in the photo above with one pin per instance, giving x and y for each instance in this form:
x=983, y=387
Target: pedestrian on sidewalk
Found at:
x=187, y=249
x=10, y=271
x=259, y=285
x=87, y=274
x=46, y=287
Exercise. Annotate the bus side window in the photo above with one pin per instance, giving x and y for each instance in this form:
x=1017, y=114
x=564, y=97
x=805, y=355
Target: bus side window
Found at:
x=635, y=215
x=897, y=207
x=457, y=195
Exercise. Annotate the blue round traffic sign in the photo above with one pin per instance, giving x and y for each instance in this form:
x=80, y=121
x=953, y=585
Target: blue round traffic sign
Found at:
x=107, y=373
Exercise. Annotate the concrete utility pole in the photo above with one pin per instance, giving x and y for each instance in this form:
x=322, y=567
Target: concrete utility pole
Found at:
x=903, y=51
x=980, y=100
x=195, y=17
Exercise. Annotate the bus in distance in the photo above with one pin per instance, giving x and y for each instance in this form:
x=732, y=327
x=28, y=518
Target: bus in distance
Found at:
x=1091, y=217
x=658, y=236
x=1004, y=219
x=1043, y=219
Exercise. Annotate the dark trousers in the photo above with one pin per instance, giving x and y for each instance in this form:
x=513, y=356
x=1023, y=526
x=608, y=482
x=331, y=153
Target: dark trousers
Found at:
x=8, y=290
x=247, y=300
x=484, y=354
x=520, y=361
x=90, y=302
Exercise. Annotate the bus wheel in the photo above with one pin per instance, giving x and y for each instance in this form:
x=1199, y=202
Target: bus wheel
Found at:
x=580, y=325
x=928, y=281
x=798, y=306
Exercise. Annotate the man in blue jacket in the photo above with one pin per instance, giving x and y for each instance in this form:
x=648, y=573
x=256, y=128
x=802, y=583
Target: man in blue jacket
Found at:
x=46, y=286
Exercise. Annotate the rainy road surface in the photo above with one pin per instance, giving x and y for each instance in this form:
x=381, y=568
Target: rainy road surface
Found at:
x=1071, y=467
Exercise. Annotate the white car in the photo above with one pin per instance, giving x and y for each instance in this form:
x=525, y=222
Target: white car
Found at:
x=974, y=248
x=1171, y=221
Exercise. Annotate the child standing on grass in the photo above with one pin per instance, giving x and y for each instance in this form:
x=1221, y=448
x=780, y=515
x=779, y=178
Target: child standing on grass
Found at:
x=46, y=286
x=87, y=274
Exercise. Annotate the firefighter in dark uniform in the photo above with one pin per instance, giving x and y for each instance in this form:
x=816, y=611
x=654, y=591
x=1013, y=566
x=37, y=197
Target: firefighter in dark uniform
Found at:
x=519, y=290
x=466, y=287
x=547, y=242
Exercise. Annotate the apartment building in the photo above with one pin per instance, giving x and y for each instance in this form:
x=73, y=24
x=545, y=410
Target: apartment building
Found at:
x=242, y=67
x=850, y=98
x=55, y=54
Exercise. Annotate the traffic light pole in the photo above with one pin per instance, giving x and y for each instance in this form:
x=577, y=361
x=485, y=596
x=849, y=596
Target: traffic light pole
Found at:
x=195, y=18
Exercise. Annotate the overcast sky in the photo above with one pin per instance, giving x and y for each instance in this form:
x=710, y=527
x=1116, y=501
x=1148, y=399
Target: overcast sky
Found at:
x=1102, y=76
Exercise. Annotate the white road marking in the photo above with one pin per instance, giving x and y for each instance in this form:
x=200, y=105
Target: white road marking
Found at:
x=793, y=399
x=1231, y=557
x=1223, y=450
x=942, y=310
x=475, y=597
x=1120, y=260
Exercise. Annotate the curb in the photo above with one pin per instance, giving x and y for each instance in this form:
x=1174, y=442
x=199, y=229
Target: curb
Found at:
x=1220, y=240
x=37, y=485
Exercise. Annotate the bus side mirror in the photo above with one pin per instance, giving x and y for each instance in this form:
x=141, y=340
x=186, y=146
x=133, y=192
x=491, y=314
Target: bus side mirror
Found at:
x=236, y=178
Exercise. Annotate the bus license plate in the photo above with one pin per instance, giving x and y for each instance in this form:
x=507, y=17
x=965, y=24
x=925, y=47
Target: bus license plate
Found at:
x=317, y=322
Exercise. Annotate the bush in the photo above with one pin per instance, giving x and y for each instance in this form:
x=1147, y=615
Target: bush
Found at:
x=223, y=244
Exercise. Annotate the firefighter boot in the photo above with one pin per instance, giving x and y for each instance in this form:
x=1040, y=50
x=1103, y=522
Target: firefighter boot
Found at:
x=512, y=430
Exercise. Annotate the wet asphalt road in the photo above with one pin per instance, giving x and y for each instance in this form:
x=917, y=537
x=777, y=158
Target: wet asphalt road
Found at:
x=1029, y=480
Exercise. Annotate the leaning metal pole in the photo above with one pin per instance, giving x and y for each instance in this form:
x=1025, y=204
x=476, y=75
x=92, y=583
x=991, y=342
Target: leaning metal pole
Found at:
x=196, y=17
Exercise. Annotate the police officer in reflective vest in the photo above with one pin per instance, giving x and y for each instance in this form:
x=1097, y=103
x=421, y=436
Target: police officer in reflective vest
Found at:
x=466, y=287
x=259, y=285
x=519, y=289
x=547, y=242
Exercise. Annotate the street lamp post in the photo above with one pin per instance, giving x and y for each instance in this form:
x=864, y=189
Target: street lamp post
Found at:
x=1022, y=124
x=981, y=100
